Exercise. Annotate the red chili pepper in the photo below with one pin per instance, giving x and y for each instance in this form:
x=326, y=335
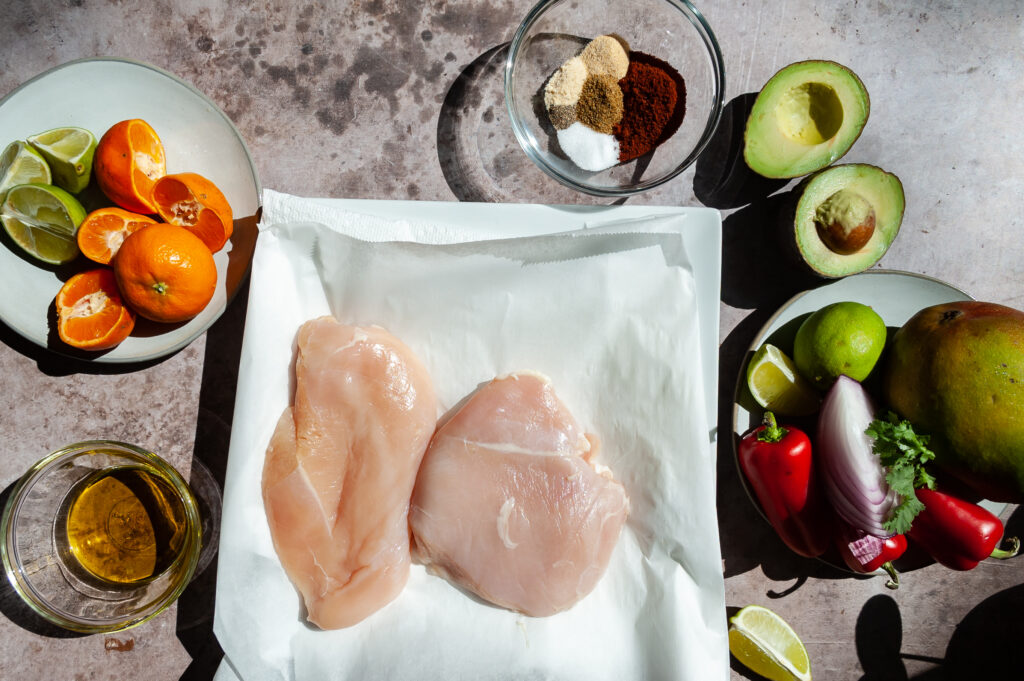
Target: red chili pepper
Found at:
x=957, y=533
x=777, y=463
x=865, y=553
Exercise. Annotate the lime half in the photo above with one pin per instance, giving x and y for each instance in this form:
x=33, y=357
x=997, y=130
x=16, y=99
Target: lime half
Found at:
x=43, y=220
x=69, y=152
x=21, y=164
x=763, y=642
x=776, y=384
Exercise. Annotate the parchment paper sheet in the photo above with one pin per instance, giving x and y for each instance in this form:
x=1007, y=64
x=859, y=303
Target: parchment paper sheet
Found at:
x=609, y=315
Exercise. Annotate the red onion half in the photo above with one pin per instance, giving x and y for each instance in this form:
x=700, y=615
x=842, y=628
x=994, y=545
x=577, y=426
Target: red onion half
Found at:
x=853, y=475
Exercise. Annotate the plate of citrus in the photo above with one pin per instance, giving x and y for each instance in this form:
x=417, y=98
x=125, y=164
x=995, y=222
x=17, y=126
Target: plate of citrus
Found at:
x=128, y=202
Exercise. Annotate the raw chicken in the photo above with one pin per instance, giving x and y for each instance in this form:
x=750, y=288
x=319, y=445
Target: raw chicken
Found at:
x=508, y=505
x=341, y=466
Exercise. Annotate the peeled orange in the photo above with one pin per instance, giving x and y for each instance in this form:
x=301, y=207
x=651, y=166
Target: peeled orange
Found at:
x=90, y=314
x=165, y=273
x=195, y=203
x=104, y=230
x=129, y=159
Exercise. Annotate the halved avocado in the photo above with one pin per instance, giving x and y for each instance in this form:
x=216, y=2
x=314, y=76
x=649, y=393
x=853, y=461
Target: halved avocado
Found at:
x=846, y=218
x=806, y=117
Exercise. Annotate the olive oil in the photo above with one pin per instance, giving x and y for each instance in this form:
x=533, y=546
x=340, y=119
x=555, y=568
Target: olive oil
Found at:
x=125, y=525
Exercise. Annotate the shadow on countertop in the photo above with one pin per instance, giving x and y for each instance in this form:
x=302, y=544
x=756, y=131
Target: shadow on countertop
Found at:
x=757, y=275
x=213, y=436
x=16, y=610
x=59, y=359
x=982, y=646
x=470, y=100
x=479, y=156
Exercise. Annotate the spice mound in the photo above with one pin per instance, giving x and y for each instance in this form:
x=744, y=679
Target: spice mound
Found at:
x=610, y=105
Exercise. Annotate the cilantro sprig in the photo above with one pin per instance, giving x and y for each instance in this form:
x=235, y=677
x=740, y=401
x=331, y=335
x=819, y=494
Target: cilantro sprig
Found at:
x=904, y=454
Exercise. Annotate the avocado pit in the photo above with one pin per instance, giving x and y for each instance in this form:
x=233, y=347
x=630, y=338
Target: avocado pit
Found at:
x=845, y=221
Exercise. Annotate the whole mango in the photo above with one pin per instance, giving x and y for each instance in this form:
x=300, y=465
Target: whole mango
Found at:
x=956, y=372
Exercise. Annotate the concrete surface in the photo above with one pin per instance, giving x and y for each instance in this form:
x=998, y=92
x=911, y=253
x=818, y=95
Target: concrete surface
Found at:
x=402, y=100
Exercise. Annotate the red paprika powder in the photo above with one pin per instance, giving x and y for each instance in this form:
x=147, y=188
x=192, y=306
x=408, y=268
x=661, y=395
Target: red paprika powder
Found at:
x=654, y=101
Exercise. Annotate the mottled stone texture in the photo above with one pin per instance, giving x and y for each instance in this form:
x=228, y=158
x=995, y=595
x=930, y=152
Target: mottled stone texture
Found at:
x=403, y=100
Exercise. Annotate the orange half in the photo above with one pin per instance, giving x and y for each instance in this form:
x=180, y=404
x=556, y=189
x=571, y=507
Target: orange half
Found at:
x=191, y=201
x=104, y=230
x=129, y=160
x=90, y=314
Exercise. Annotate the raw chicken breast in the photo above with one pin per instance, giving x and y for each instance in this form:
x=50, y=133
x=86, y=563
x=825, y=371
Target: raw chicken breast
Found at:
x=508, y=505
x=341, y=466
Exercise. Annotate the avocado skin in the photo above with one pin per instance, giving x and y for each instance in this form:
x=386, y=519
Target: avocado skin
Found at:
x=956, y=372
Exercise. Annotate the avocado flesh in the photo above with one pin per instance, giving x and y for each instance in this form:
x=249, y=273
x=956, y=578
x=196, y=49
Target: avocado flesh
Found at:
x=882, y=190
x=806, y=117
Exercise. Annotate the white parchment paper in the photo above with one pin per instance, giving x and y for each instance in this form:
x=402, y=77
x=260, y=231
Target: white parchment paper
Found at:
x=609, y=314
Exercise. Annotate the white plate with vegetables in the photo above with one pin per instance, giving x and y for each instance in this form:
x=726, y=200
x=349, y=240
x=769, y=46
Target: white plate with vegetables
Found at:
x=198, y=137
x=895, y=296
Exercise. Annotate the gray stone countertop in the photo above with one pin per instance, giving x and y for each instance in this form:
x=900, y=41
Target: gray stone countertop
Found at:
x=393, y=99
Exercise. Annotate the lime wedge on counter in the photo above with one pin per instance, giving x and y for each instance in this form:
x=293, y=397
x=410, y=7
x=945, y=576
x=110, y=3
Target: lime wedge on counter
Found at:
x=69, y=152
x=43, y=220
x=777, y=386
x=763, y=642
x=21, y=164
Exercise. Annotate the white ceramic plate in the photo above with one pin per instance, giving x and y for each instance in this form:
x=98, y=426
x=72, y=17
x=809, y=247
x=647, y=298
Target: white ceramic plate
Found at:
x=895, y=296
x=197, y=136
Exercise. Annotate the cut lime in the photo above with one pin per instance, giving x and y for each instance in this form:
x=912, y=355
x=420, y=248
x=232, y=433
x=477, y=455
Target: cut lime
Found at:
x=43, y=220
x=21, y=164
x=763, y=642
x=776, y=384
x=69, y=152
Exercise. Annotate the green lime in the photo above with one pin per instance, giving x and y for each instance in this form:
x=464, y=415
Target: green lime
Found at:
x=776, y=384
x=766, y=644
x=21, y=164
x=69, y=152
x=43, y=220
x=841, y=338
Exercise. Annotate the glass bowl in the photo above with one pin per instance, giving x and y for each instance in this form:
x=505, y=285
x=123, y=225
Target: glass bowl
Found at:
x=100, y=536
x=671, y=30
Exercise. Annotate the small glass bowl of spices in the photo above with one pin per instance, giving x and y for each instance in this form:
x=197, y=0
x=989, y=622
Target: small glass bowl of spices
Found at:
x=613, y=98
x=100, y=536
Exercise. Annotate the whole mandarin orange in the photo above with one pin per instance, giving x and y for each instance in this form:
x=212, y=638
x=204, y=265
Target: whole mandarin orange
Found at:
x=165, y=273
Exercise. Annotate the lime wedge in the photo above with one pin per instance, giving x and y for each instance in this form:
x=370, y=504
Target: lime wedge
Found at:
x=763, y=642
x=69, y=152
x=777, y=386
x=43, y=220
x=21, y=164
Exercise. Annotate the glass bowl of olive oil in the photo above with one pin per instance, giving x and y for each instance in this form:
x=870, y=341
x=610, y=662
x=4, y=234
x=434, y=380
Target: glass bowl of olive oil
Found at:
x=100, y=536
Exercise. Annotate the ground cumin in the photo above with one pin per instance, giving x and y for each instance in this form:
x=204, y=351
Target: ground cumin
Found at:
x=654, y=102
x=600, y=105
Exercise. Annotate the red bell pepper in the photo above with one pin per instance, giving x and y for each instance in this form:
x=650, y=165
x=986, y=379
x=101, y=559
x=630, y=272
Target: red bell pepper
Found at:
x=957, y=533
x=777, y=463
x=865, y=553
